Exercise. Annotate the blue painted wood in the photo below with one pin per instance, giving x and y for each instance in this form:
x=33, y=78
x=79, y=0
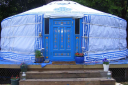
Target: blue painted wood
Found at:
x=80, y=37
x=45, y=42
x=46, y=47
x=77, y=45
x=62, y=39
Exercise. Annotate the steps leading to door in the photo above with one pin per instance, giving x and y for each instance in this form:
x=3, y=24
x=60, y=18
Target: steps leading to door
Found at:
x=67, y=77
x=65, y=74
x=70, y=81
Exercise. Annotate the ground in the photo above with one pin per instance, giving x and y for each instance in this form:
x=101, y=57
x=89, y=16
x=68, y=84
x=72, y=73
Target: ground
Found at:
x=122, y=83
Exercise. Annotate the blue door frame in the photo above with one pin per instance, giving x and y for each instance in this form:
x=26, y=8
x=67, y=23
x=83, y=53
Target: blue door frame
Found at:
x=61, y=39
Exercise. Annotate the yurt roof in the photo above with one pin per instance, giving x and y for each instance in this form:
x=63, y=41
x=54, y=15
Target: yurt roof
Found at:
x=63, y=8
x=57, y=9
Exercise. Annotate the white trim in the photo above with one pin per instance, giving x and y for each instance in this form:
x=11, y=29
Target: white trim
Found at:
x=22, y=25
x=26, y=53
x=103, y=25
x=19, y=36
x=106, y=38
x=17, y=61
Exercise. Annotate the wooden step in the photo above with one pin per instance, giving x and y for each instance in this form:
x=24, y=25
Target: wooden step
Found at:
x=68, y=81
x=65, y=74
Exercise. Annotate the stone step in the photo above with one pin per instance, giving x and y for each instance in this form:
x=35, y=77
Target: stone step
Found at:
x=68, y=81
x=65, y=74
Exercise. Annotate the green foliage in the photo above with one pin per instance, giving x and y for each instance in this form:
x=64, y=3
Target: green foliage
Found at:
x=37, y=53
x=15, y=78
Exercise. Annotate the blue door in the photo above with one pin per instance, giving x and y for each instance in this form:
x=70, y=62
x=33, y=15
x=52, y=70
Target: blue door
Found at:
x=62, y=39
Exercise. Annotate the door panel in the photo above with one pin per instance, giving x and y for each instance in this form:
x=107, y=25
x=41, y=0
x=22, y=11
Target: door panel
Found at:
x=61, y=34
x=55, y=38
x=68, y=38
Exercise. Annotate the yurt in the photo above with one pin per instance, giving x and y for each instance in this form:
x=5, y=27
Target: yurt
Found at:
x=60, y=29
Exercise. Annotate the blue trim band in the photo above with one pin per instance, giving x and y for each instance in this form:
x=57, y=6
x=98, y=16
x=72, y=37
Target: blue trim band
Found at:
x=17, y=57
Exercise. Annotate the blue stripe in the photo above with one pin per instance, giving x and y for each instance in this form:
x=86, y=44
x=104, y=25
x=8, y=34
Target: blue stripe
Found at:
x=17, y=57
x=35, y=33
x=42, y=31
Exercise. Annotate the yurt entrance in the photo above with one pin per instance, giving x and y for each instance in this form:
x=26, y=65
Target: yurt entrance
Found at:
x=62, y=38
